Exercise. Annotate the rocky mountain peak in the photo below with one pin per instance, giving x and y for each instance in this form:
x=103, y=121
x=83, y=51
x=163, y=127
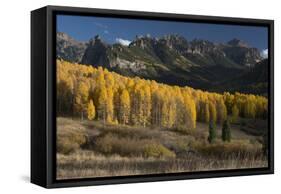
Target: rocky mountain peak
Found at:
x=68, y=48
x=202, y=46
x=96, y=52
x=174, y=41
x=96, y=40
x=237, y=43
x=62, y=35
x=143, y=41
x=169, y=59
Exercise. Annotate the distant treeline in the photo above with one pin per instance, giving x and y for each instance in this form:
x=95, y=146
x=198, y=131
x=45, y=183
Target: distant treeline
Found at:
x=97, y=94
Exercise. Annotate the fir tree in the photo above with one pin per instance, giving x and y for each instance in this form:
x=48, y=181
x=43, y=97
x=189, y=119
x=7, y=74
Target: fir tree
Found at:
x=226, y=132
x=212, y=132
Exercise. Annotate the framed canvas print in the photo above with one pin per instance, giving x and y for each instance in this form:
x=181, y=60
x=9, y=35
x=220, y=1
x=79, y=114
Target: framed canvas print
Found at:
x=125, y=96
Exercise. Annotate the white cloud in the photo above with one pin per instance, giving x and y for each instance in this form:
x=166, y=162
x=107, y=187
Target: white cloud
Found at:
x=264, y=53
x=123, y=41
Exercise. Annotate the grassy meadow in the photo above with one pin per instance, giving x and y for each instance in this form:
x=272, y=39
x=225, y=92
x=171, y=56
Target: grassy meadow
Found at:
x=92, y=149
x=112, y=125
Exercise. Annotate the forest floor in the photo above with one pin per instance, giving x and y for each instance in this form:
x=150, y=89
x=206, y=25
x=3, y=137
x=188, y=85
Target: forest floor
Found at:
x=93, y=149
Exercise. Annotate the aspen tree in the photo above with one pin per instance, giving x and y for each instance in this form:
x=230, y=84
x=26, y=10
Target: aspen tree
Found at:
x=124, y=110
x=235, y=113
x=151, y=103
x=190, y=112
x=146, y=106
x=213, y=112
x=91, y=110
x=81, y=98
x=109, y=105
x=102, y=104
x=221, y=110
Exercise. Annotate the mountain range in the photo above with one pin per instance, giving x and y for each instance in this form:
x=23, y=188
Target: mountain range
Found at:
x=172, y=59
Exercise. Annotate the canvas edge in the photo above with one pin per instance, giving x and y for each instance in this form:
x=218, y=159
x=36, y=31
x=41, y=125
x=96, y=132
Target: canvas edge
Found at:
x=52, y=183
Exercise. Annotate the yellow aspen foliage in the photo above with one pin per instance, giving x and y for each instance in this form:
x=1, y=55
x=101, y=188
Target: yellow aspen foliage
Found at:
x=81, y=98
x=136, y=101
x=165, y=113
x=165, y=108
x=100, y=77
x=235, y=113
x=146, y=106
x=190, y=112
x=136, y=111
x=221, y=110
x=109, y=105
x=91, y=110
x=229, y=101
x=204, y=113
x=102, y=104
x=172, y=113
x=157, y=103
x=125, y=103
x=213, y=112
x=109, y=80
x=250, y=108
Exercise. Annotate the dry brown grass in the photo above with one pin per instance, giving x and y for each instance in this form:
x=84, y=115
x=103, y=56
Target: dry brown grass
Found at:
x=99, y=150
x=242, y=149
x=70, y=137
x=83, y=164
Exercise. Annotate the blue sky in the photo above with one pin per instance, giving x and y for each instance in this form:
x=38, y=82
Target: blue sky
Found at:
x=113, y=30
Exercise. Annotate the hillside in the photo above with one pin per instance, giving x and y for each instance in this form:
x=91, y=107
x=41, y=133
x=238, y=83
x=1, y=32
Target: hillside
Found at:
x=254, y=81
x=110, y=150
x=69, y=49
x=170, y=59
x=109, y=124
x=136, y=101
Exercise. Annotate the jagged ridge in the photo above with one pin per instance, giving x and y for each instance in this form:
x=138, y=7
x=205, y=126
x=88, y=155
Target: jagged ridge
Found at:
x=170, y=59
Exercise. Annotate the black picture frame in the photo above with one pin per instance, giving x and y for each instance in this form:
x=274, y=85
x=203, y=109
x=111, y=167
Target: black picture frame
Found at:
x=43, y=96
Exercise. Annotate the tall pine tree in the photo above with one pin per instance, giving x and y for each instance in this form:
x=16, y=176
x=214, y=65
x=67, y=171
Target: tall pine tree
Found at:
x=226, y=131
x=212, y=132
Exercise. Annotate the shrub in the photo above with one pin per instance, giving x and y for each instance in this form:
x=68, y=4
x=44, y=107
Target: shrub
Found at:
x=131, y=132
x=190, y=132
x=243, y=123
x=185, y=130
x=158, y=151
x=70, y=140
x=241, y=148
x=111, y=144
x=64, y=146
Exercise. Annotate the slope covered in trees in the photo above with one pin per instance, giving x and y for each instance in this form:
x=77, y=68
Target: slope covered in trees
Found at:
x=96, y=93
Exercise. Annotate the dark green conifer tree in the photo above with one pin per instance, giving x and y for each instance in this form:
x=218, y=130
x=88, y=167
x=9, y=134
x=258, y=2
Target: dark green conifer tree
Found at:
x=226, y=131
x=212, y=132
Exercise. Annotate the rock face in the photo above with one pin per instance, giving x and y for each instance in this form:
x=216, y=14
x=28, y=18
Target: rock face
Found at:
x=234, y=53
x=170, y=59
x=237, y=43
x=241, y=53
x=69, y=49
x=96, y=53
x=254, y=81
